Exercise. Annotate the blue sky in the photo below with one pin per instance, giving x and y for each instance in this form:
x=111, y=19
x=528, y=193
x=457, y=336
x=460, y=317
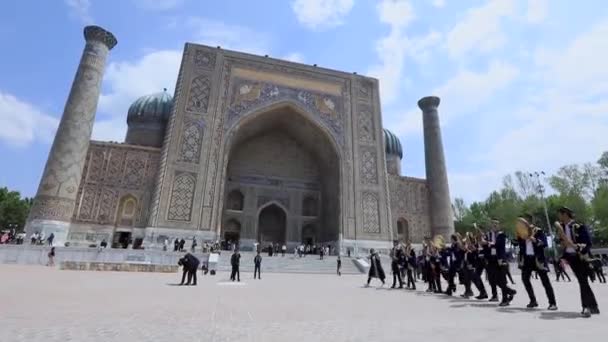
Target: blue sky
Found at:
x=523, y=83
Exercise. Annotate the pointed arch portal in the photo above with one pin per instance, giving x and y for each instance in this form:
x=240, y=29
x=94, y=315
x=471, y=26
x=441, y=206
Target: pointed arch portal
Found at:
x=284, y=154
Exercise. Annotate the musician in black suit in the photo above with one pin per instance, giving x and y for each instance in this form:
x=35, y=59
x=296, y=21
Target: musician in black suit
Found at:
x=497, y=262
x=577, y=244
x=452, y=259
x=396, y=257
x=532, y=259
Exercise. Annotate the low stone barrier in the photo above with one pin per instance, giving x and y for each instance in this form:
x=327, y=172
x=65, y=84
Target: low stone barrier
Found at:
x=117, y=267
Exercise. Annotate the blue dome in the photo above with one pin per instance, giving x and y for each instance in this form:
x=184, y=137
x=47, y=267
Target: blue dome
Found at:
x=151, y=108
x=392, y=145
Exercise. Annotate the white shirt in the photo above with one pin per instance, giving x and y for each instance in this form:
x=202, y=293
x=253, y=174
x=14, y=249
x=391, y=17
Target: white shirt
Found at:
x=568, y=230
x=529, y=247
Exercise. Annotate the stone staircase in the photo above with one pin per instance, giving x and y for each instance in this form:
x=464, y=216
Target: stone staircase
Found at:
x=289, y=264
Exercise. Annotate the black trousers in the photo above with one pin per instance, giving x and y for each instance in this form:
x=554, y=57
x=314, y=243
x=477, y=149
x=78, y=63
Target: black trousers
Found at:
x=526, y=273
x=235, y=273
x=497, y=276
x=492, y=273
x=581, y=272
x=600, y=275
x=560, y=272
x=396, y=274
x=191, y=276
x=468, y=274
x=474, y=277
x=411, y=280
x=256, y=270
x=450, y=276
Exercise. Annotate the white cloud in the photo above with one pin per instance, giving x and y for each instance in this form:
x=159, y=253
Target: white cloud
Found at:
x=438, y=3
x=22, y=123
x=127, y=81
x=564, y=117
x=480, y=29
x=393, y=48
x=80, y=9
x=463, y=94
x=537, y=11
x=233, y=37
x=294, y=57
x=321, y=14
x=158, y=5
x=113, y=129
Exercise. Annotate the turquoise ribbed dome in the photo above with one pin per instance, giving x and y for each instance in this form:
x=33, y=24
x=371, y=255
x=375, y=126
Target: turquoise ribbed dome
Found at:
x=151, y=108
x=392, y=145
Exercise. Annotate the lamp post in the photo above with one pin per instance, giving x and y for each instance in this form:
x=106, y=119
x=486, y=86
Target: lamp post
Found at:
x=541, y=190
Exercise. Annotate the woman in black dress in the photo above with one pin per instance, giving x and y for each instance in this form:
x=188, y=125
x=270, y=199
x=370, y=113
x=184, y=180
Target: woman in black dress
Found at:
x=375, y=268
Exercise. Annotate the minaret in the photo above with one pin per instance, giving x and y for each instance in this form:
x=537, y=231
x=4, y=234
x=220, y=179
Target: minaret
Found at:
x=56, y=196
x=442, y=221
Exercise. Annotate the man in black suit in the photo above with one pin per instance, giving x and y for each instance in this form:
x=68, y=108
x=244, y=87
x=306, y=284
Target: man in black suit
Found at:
x=235, y=261
x=497, y=263
x=257, y=262
x=189, y=264
x=577, y=245
x=532, y=259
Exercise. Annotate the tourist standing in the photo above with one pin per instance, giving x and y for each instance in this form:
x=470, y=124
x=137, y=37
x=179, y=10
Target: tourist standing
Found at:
x=50, y=239
x=165, y=244
x=375, y=268
x=257, y=262
x=577, y=244
x=175, y=245
x=51, y=256
x=283, y=250
x=339, y=266
x=235, y=261
x=194, y=244
x=182, y=243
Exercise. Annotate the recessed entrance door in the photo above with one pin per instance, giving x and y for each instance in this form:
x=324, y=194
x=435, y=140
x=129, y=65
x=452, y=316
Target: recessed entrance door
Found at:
x=272, y=225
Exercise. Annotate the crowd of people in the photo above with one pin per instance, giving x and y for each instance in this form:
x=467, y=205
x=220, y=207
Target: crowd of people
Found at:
x=467, y=258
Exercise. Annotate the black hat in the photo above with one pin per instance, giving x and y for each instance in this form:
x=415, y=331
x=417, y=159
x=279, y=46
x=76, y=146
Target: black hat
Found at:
x=565, y=210
x=494, y=219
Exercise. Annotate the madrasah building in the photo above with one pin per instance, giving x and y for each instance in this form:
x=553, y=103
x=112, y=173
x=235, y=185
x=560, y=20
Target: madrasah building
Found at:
x=249, y=149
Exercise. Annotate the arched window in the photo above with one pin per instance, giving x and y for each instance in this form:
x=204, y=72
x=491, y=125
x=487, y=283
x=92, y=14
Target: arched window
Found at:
x=309, y=207
x=127, y=211
x=235, y=200
x=403, y=229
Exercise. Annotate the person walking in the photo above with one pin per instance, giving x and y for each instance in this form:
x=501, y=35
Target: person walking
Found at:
x=375, y=268
x=576, y=241
x=51, y=255
x=339, y=266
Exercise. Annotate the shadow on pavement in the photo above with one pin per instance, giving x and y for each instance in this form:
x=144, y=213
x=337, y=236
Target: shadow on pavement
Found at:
x=560, y=315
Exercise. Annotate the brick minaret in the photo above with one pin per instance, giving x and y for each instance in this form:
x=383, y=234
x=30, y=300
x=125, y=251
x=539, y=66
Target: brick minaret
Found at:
x=56, y=196
x=440, y=204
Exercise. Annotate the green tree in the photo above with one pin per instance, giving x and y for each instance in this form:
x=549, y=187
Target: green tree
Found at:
x=13, y=209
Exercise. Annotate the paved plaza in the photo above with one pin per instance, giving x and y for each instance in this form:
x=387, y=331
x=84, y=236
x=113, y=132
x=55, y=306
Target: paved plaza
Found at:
x=43, y=304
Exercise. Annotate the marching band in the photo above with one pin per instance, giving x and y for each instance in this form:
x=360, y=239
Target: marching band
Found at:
x=466, y=258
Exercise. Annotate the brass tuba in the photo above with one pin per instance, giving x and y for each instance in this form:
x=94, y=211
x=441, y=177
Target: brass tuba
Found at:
x=522, y=228
x=438, y=242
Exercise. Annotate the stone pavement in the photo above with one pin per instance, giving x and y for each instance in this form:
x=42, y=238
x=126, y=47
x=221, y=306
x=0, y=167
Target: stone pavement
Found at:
x=43, y=304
